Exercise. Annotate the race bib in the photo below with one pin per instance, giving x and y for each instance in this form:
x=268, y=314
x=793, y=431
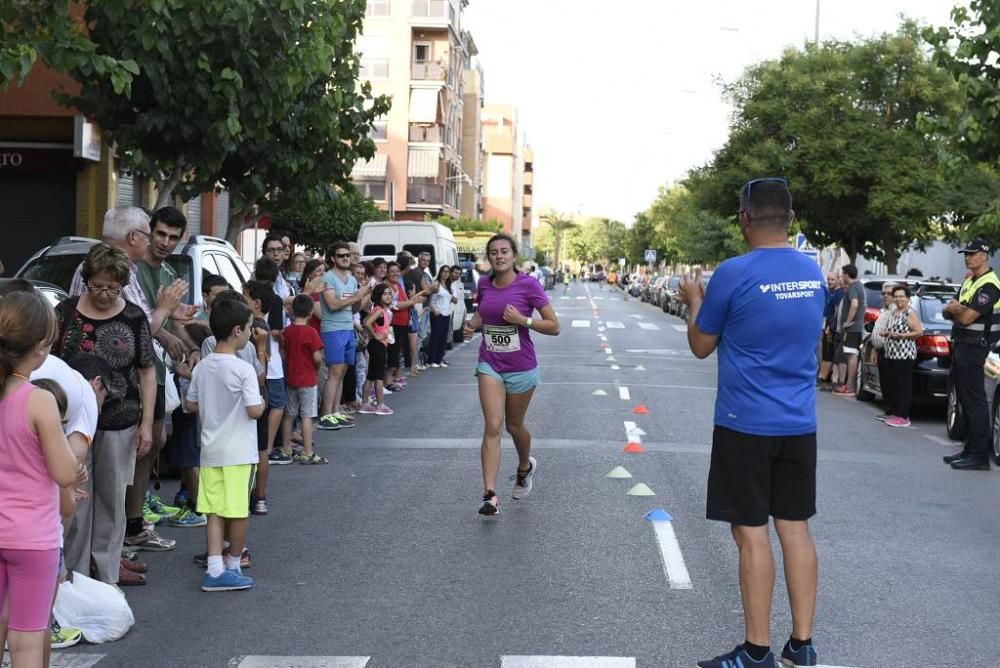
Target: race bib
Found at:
x=502, y=338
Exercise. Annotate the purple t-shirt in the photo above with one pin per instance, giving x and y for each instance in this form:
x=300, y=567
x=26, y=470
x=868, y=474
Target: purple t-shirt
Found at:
x=508, y=348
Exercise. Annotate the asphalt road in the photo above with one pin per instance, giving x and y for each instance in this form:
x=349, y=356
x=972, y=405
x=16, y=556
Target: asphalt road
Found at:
x=381, y=556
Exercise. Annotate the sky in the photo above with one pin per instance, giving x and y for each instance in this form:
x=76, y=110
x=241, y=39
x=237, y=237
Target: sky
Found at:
x=618, y=97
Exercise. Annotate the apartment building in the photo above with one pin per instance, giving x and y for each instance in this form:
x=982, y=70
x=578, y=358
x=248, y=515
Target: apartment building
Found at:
x=503, y=170
x=472, y=144
x=417, y=52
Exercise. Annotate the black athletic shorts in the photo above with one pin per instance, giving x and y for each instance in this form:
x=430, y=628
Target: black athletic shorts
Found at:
x=753, y=478
x=828, y=349
x=262, y=432
x=160, y=407
x=851, y=343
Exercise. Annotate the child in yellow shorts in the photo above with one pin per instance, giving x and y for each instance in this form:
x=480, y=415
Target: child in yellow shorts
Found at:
x=225, y=394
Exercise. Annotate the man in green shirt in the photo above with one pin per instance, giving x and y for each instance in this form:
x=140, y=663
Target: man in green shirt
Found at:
x=167, y=226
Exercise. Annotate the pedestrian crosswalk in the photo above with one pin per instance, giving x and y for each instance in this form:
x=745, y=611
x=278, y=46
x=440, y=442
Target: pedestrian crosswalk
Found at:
x=299, y=662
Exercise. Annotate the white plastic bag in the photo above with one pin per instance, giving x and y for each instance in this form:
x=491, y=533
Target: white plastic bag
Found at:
x=173, y=398
x=99, y=610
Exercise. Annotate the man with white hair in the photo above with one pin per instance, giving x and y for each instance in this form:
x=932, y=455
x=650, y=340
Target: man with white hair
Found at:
x=127, y=227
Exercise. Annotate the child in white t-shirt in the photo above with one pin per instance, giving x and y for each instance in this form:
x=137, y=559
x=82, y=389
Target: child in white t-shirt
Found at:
x=225, y=394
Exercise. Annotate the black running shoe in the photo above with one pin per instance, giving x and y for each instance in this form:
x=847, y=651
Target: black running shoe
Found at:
x=491, y=504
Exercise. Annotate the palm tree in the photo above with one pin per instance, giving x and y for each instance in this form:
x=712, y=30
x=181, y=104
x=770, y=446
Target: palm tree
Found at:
x=560, y=225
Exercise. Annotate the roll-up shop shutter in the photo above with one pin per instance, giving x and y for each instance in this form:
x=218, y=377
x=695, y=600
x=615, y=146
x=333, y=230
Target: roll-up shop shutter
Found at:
x=222, y=214
x=194, y=216
x=126, y=190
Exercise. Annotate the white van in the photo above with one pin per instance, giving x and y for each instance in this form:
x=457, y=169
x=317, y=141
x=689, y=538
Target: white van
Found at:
x=386, y=239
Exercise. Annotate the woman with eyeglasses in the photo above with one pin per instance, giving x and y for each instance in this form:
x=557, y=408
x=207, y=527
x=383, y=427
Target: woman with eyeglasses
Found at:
x=102, y=322
x=878, y=349
x=901, y=331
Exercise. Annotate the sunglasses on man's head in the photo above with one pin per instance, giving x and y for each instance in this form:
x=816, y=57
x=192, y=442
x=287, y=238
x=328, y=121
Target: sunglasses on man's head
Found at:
x=748, y=188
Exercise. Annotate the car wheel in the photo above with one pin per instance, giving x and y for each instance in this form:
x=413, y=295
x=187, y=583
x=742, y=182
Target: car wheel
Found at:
x=954, y=419
x=860, y=393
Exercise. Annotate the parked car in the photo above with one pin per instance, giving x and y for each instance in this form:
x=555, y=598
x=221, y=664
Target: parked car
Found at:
x=930, y=377
x=53, y=293
x=654, y=292
x=56, y=264
x=671, y=302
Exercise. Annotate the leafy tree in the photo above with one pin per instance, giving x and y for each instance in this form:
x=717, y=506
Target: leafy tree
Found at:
x=844, y=123
x=465, y=224
x=689, y=234
x=258, y=97
x=967, y=50
x=598, y=240
x=639, y=238
x=51, y=31
x=558, y=225
x=316, y=222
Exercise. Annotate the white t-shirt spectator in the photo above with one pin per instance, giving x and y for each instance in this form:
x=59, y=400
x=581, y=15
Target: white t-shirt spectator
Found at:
x=442, y=300
x=81, y=402
x=224, y=386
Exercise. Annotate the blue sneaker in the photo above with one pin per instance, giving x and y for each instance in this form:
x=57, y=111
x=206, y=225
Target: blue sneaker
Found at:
x=228, y=581
x=187, y=518
x=805, y=657
x=738, y=658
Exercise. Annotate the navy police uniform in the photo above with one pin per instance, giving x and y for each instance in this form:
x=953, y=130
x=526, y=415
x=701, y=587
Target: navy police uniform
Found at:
x=970, y=345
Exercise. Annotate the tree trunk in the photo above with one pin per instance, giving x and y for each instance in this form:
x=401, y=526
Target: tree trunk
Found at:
x=166, y=183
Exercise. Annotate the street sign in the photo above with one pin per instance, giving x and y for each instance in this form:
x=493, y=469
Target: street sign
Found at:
x=621, y=261
x=650, y=255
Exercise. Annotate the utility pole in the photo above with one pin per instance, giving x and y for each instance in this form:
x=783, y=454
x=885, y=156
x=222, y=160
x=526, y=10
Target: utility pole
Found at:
x=816, y=38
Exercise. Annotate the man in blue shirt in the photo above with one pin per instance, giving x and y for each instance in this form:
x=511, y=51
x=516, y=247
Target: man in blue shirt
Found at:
x=763, y=312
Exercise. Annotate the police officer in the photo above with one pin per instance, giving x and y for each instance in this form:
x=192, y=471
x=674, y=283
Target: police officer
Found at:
x=975, y=317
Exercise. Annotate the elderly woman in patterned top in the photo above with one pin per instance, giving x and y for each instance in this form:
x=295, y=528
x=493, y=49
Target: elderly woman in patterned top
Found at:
x=901, y=330
x=102, y=322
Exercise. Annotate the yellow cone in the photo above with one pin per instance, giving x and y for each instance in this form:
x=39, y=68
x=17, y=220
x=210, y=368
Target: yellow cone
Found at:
x=618, y=473
x=641, y=490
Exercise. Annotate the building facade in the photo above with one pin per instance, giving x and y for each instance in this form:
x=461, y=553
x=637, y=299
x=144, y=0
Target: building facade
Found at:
x=472, y=144
x=416, y=52
x=58, y=176
x=503, y=170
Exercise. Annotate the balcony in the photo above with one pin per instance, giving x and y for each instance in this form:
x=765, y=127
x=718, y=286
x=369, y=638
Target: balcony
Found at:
x=428, y=72
x=426, y=133
x=433, y=14
x=425, y=194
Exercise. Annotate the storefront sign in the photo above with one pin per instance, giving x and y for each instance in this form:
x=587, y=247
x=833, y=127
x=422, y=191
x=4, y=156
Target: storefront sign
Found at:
x=37, y=160
x=86, y=139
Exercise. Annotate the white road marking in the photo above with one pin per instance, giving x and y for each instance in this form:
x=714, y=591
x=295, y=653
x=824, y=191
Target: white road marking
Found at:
x=299, y=662
x=673, y=559
x=581, y=297
x=637, y=317
x=564, y=297
x=614, y=367
x=680, y=328
x=61, y=660
x=942, y=441
x=616, y=324
x=632, y=432
x=597, y=299
x=611, y=359
x=648, y=325
x=614, y=299
x=581, y=323
x=538, y=661
x=624, y=393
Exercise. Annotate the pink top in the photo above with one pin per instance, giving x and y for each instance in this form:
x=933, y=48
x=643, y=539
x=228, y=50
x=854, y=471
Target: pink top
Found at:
x=29, y=497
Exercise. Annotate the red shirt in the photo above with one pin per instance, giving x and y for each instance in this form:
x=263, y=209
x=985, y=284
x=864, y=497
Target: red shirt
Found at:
x=301, y=341
x=401, y=318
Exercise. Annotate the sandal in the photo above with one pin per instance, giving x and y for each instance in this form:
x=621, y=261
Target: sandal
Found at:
x=314, y=459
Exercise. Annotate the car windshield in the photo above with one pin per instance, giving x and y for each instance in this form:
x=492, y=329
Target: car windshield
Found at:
x=54, y=269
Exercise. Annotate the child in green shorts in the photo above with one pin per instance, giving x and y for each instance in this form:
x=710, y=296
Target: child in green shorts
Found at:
x=225, y=395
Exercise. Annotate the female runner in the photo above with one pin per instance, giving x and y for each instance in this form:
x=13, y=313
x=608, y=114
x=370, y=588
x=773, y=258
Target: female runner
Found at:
x=508, y=370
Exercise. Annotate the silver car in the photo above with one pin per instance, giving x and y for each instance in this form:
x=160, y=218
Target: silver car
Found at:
x=56, y=264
